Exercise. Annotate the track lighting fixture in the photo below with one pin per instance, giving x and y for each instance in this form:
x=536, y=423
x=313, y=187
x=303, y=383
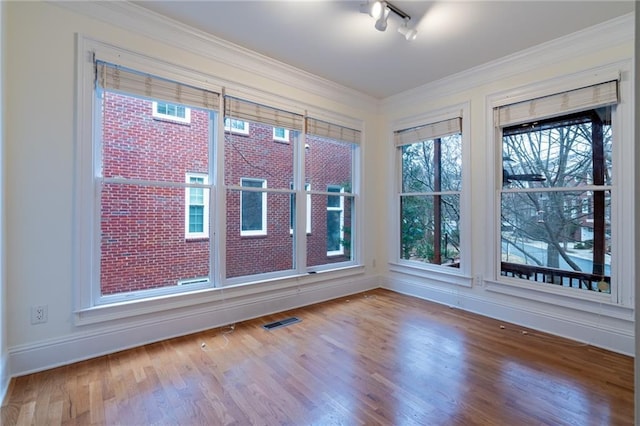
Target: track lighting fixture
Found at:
x=381, y=22
x=380, y=10
x=408, y=33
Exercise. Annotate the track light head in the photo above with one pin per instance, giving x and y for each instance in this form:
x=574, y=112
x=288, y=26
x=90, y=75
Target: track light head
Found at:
x=373, y=9
x=408, y=33
x=381, y=22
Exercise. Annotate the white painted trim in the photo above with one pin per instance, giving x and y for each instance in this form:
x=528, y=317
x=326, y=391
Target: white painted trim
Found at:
x=142, y=21
x=46, y=354
x=5, y=376
x=610, y=33
x=614, y=334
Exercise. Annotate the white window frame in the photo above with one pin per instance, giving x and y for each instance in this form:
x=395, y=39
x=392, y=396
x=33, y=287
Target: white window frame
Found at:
x=263, y=230
x=459, y=276
x=622, y=222
x=340, y=208
x=228, y=127
x=307, y=188
x=205, y=203
x=278, y=138
x=169, y=117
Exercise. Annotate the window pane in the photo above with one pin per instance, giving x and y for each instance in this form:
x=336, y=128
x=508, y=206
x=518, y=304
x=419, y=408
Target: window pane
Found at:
x=329, y=163
x=430, y=229
x=135, y=146
x=570, y=151
x=550, y=232
x=331, y=237
x=196, y=218
x=142, y=240
x=333, y=201
x=253, y=208
x=334, y=231
x=270, y=252
x=561, y=238
x=433, y=165
x=196, y=196
x=256, y=155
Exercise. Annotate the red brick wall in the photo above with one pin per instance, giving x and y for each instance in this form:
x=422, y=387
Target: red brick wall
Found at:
x=143, y=239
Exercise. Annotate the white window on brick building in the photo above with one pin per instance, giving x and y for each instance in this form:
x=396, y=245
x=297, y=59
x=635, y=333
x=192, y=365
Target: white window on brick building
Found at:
x=253, y=208
x=335, y=221
x=171, y=112
x=280, y=134
x=236, y=126
x=196, y=207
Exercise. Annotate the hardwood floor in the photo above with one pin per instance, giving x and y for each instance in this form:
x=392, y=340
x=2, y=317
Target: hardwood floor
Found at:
x=372, y=358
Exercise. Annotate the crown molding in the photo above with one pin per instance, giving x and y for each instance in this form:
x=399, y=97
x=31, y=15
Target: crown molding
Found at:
x=137, y=19
x=601, y=36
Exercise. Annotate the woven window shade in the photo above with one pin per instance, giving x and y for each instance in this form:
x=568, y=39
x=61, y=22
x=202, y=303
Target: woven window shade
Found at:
x=332, y=131
x=249, y=111
x=427, y=132
x=589, y=97
x=122, y=80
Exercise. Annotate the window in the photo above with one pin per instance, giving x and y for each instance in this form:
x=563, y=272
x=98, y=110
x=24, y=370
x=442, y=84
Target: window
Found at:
x=196, y=207
x=335, y=221
x=554, y=159
x=307, y=188
x=430, y=190
x=149, y=227
x=236, y=126
x=280, y=134
x=330, y=162
x=172, y=112
x=144, y=181
x=253, y=207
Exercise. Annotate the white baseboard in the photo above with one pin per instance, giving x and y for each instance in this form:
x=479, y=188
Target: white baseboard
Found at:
x=612, y=334
x=81, y=346
x=4, y=377
x=609, y=333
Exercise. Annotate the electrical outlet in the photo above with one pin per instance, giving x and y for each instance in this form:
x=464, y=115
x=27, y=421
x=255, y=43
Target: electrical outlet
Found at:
x=477, y=280
x=39, y=314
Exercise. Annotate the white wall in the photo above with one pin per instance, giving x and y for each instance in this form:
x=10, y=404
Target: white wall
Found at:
x=637, y=218
x=4, y=368
x=604, y=324
x=40, y=134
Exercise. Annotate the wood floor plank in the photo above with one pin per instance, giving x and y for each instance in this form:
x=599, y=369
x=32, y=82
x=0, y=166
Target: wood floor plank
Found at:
x=376, y=358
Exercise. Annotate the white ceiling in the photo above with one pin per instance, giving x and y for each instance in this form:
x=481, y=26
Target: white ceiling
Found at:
x=332, y=39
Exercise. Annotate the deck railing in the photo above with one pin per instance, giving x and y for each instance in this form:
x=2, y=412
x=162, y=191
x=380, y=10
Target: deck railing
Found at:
x=575, y=279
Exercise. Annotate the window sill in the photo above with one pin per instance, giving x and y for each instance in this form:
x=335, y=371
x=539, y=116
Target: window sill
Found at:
x=208, y=299
x=172, y=121
x=253, y=236
x=453, y=275
x=583, y=300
